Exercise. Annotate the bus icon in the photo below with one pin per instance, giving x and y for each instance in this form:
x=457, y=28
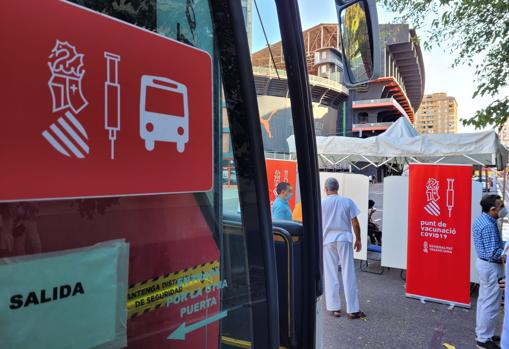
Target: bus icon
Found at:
x=164, y=112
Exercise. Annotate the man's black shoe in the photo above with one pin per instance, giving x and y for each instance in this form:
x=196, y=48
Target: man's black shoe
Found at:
x=496, y=339
x=488, y=345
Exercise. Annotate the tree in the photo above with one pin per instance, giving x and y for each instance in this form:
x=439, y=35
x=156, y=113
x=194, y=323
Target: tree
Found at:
x=477, y=33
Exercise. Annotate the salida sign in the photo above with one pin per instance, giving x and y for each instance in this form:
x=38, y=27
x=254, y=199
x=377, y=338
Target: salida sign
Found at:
x=92, y=106
x=19, y=301
x=63, y=300
x=438, y=260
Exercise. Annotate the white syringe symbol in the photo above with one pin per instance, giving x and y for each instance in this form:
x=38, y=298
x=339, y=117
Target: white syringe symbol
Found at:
x=450, y=195
x=112, y=99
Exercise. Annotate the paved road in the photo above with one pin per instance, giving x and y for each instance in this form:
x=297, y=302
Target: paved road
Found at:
x=395, y=321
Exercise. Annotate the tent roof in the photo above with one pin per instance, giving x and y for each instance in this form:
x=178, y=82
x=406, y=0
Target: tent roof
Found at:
x=401, y=128
x=402, y=143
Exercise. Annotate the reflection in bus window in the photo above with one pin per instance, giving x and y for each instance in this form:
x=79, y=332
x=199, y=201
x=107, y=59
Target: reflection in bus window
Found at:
x=356, y=42
x=274, y=105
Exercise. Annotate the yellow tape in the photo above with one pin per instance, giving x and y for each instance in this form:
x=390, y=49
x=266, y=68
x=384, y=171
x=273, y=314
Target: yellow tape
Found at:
x=239, y=343
x=171, y=288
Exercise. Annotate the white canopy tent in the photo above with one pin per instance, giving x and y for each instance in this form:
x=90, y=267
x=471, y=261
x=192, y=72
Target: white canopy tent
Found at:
x=401, y=144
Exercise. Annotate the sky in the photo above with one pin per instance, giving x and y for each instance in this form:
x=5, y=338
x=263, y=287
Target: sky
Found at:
x=458, y=82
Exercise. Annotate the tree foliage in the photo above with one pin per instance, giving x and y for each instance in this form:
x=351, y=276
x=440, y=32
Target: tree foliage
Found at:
x=476, y=32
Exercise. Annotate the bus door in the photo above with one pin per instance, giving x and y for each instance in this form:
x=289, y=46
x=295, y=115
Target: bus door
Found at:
x=280, y=70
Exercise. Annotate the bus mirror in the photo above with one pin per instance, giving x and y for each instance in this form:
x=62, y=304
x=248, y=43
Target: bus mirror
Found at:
x=360, y=40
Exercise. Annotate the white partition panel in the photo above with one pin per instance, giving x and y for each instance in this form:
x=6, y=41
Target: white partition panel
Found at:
x=476, y=211
x=395, y=222
x=355, y=187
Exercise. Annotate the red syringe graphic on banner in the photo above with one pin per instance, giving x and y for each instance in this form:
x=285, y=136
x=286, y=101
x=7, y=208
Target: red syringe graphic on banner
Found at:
x=450, y=196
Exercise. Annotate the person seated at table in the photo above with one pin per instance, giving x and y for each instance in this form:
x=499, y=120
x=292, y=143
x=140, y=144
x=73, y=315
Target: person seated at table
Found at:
x=374, y=232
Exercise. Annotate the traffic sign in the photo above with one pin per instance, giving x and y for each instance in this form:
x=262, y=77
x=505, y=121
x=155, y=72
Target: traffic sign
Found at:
x=93, y=106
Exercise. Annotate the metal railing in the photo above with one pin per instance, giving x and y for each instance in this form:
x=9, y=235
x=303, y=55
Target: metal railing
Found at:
x=313, y=79
x=372, y=124
x=377, y=100
x=390, y=100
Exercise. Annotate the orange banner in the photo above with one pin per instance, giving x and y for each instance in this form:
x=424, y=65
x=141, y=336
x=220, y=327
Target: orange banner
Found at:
x=281, y=171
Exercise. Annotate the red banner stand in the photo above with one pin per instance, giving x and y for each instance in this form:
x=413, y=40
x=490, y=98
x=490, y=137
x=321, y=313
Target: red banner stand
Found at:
x=439, y=229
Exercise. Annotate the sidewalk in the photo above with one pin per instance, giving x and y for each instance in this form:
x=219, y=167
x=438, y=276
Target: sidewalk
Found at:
x=395, y=321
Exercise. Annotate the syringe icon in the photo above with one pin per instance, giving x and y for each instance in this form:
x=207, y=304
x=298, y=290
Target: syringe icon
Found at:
x=450, y=195
x=112, y=99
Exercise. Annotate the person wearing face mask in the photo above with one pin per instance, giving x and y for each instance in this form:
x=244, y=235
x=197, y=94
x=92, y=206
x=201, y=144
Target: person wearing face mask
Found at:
x=281, y=207
x=489, y=248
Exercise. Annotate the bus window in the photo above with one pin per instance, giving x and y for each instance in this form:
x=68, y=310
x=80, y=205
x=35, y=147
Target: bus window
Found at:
x=277, y=129
x=274, y=107
x=192, y=277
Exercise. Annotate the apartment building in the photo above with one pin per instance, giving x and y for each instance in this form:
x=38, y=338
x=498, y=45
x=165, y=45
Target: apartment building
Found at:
x=503, y=134
x=438, y=113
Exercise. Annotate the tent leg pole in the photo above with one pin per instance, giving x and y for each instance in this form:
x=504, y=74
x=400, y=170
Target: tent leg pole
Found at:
x=486, y=177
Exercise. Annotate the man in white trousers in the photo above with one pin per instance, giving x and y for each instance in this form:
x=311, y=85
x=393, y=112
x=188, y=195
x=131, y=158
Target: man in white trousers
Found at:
x=489, y=248
x=339, y=215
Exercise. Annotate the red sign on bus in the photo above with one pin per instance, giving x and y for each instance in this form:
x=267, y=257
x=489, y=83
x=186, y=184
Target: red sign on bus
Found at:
x=92, y=106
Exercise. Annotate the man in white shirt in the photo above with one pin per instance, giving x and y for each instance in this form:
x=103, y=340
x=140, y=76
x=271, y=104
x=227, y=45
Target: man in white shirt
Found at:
x=339, y=215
